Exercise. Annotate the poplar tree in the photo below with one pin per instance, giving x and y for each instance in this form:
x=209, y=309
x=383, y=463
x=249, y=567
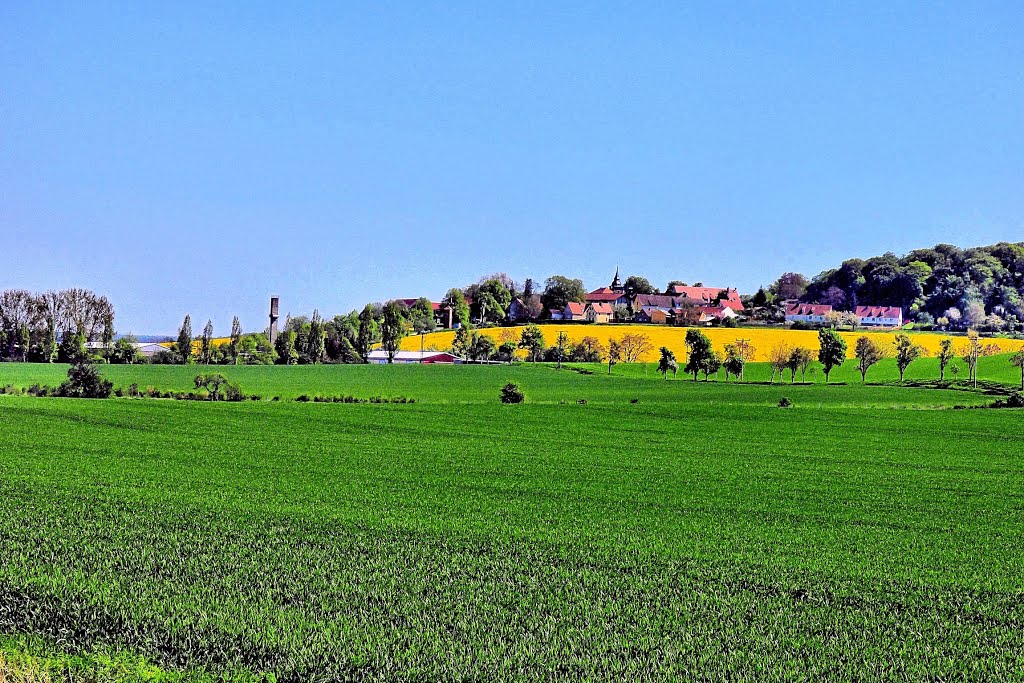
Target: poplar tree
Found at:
x=185, y=341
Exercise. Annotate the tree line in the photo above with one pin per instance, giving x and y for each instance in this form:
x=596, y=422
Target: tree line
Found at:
x=53, y=325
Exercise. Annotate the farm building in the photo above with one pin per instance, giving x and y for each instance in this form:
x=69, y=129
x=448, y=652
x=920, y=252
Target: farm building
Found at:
x=880, y=316
x=380, y=357
x=807, y=313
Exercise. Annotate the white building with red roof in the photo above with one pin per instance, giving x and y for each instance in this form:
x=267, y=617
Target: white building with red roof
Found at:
x=880, y=316
x=807, y=313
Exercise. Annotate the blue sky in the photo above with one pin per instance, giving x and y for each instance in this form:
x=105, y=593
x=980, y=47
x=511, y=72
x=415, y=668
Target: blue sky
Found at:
x=195, y=159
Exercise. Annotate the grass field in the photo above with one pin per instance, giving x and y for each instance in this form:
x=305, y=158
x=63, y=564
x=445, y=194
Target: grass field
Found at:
x=701, y=532
x=763, y=339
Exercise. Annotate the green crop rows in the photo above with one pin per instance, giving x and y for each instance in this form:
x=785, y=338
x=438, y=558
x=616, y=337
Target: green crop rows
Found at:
x=699, y=533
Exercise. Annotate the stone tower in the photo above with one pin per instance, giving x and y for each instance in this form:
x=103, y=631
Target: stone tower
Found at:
x=273, y=319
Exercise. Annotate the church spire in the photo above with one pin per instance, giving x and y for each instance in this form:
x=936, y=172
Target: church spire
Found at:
x=616, y=285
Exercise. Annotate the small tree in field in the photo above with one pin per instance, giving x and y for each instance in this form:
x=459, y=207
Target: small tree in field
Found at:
x=1017, y=359
x=667, y=363
x=212, y=382
x=906, y=352
x=711, y=364
x=946, y=354
x=614, y=354
x=698, y=348
x=634, y=347
x=532, y=339
x=831, y=351
x=206, y=348
x=800, y=358
x=561, y=346
x=778, y=359
x=868, y=353
x=970, y=353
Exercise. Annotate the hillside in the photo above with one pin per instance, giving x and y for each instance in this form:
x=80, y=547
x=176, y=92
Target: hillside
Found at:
x=959, y=288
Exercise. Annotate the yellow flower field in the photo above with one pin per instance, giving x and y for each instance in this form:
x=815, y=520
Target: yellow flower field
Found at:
x=762, y=339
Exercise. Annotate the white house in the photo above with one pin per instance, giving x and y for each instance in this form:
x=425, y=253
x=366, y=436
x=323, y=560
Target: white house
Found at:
x=880, y=316
x=599, y=312
x=807, y=313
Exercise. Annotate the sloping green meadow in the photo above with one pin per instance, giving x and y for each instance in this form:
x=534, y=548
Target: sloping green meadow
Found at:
x=700, y=533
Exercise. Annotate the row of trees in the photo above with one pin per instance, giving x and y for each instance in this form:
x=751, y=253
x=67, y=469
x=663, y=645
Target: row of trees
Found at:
x=50, y=326
x=952, y=288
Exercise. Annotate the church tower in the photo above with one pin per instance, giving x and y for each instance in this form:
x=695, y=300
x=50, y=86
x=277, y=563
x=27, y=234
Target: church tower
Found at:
x=616, y=284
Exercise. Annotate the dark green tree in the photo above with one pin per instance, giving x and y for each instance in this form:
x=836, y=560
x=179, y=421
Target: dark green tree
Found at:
x=698, y=348
x=184, y=345
x=667, y=363
x=206, y=345
x=560, y=290
x=532, y=339
x=393, y=330
x=367, y=333
x=831, y=350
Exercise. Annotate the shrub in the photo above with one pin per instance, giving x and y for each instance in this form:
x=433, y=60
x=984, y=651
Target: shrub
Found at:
x=232, y=392
x=84, y=381
x=511, y=393
x=785, y=403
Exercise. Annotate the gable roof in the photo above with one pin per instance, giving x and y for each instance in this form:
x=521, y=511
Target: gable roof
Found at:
x=708, y=295
x=879, y=312
x=604, y=294
x=808, y=309
x=601, y=308
x=574, y=308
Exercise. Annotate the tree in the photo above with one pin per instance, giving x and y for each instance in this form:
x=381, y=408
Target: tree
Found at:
x=236, y=337
x=462, y=342
x=72, y=347
x=560, y=290
x=636, y=284
x=588, y=350
x=698, y=348
x=84, y=381
x=672, y=284
x=868, y=352
x=367, y=333
x=212, y=382
x=392, y=331
x=614, y=353
x=125, y=353
x=906, y=353
x=1017, y=360
x=667, y=363
x=634, y=346
x=421, y=315
x=287, y=354
x=532, y=339
x=737, y=354
x=561, y=343
x=790, y=286
x=455, y=301
x=801, y=358
x=206, y=348
x=315, y=341
x=482, y=348
x=778, y=359
x=970, y=352
x=831, y=350
x=946, y=354
x=492, y=300
x=184, y=345
x=711, y=365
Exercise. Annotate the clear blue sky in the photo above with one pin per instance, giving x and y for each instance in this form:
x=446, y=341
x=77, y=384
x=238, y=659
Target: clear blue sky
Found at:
x=188, y=158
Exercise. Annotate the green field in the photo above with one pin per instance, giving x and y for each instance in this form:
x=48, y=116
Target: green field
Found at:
x=869, y=532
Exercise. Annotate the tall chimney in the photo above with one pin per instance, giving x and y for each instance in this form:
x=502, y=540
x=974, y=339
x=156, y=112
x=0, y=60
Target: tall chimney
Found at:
x=273, y=319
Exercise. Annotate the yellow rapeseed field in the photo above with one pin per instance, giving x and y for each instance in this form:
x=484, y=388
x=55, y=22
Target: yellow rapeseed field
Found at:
x=762, y=339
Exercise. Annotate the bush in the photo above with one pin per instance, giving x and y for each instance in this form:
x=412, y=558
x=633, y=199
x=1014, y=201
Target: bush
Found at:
x=84, y=381
x=511, y=393
x=785, y=403
x=232, y=392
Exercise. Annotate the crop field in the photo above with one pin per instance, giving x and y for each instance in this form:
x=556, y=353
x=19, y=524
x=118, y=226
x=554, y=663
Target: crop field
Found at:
x=763, y=339
x=659, y=531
